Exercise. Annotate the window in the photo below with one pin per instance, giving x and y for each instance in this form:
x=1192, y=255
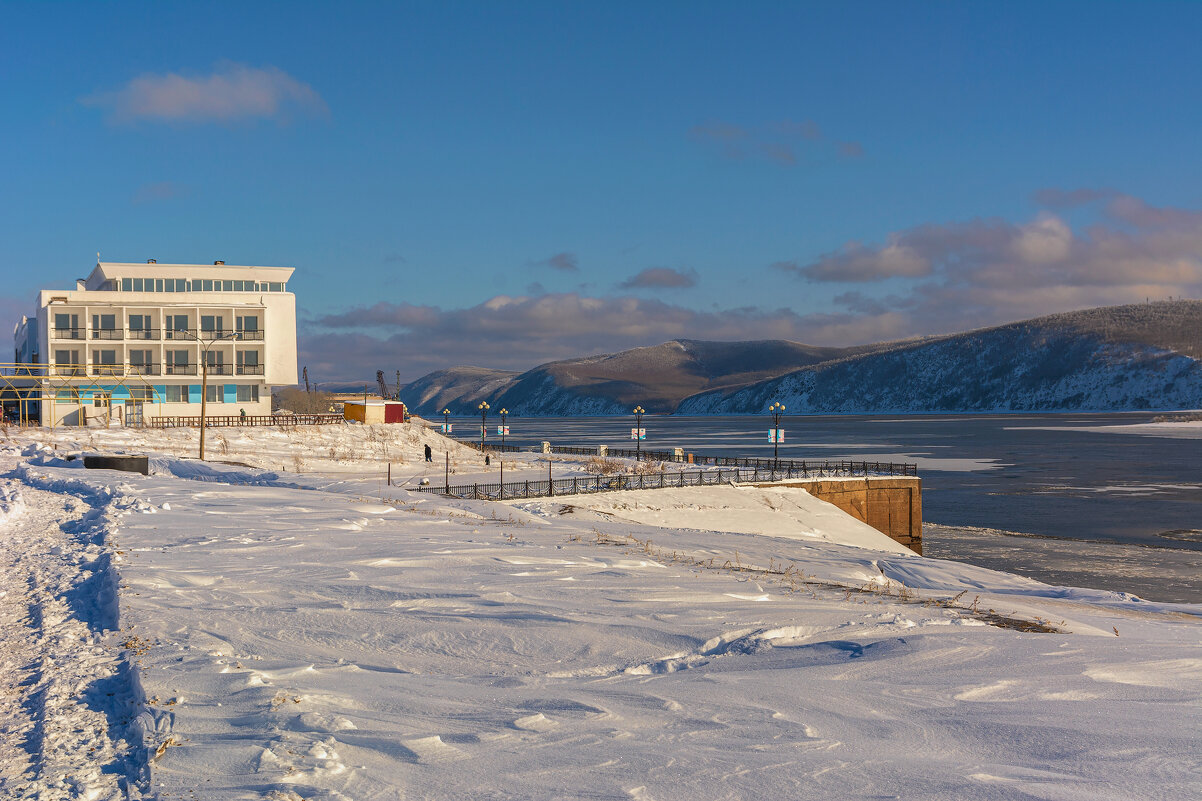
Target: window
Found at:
x=211, y=323
x=66, y=395
x=141, y=393
x=176, y=394
x=248, y=357
x=140, y=357
x=158, y=284
x=66, y=357
x=246, y=323
x=215, y=393
x=248, y=394
x=137, y=285
x=127, y=285
x=214, y=358
x=275, y=286
x=104, y=322
x=227, y=286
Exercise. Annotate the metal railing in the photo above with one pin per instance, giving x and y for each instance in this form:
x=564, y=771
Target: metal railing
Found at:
x=250, y=336
x=142, y=333
x=758, y=462
x=581, y=485
x=186, y=334
x=67, y=333
x=250, y=369
x=220, y=369
x=144, y=369
x=108, y=333
x=179, y=369
x=107, y=369
x=228, y=420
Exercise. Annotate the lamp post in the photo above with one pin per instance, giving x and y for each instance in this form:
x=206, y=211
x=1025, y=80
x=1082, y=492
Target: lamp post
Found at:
x=639, y=411
x=776, y=410
x=483, y=407
x=205, y=344
x=446, y=421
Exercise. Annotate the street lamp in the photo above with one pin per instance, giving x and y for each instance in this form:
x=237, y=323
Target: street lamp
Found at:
x=639, y=411
x=483, y=407
x=504, y=429
x=776, y=410
x=446, y=421
x=205, y=344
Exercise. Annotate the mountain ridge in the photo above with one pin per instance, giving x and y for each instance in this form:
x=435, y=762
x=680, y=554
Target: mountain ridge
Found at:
x=1116, y=358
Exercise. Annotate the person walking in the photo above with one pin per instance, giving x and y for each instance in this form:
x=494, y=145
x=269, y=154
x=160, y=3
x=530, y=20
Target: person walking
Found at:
x=429, y=454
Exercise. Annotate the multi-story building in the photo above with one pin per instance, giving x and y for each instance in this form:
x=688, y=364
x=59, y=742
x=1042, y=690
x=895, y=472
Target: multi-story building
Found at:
x=129, y=342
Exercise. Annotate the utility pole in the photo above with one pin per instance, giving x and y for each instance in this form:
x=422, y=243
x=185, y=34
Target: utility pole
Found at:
x=205, y=344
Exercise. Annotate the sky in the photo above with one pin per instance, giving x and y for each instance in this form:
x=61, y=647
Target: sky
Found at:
x=505, y=184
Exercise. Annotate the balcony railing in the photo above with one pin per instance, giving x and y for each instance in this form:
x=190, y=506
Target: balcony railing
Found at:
x=108, y=369
x=108, y=333
x=180, y=333
x=69, y=369
x=67, y=333
x=142, y=333
x=221, y=369
x=144, y=369
x=179, y=369
x=250, y=369
x=250, y=336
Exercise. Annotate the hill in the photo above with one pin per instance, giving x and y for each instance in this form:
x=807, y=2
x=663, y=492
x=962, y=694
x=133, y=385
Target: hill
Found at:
x=1141, y=356
x=657, y=377
x=1107, y=359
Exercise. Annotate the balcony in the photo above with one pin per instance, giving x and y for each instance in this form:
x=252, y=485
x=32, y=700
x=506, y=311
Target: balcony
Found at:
x=250, y=369
x=221, y=369
x=69, y=370
x=250, y=336
x=67, y=333
x=188, y=334
x=142, y=333
x=143, y=369
x=179, y=369
x=107, y=369
x=108, y=333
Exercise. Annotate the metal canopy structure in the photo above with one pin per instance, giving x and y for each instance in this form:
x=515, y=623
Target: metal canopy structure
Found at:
x=27, y=386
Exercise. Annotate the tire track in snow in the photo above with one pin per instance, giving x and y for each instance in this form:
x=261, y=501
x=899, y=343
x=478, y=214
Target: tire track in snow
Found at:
x=69, y=699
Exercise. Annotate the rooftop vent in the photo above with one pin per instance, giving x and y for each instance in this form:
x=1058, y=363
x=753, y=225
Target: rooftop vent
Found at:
x=218, y=262
x=152, y=261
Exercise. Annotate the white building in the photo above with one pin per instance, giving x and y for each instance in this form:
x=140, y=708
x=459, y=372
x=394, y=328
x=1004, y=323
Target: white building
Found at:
x=128, y=341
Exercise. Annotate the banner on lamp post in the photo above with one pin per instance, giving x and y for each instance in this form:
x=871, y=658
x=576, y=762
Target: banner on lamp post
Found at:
x=503, y=431
x=776, y=435
x=638, y=433
x=446, y=428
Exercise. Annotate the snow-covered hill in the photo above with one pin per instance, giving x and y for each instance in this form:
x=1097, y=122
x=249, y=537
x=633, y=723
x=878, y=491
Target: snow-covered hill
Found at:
x=1108, y=359
x=1020, y=367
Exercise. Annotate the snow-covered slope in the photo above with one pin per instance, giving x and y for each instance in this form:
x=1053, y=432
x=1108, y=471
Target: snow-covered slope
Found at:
x=1015, y=368
x=308, y=636
x=1108, y=359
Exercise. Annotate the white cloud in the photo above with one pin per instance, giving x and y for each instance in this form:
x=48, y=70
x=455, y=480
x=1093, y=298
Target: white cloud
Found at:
x=231, y=92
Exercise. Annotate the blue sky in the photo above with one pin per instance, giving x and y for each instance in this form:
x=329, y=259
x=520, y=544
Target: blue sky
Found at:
x=503, y=184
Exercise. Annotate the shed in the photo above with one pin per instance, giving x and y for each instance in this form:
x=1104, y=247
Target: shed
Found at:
x=374, y=411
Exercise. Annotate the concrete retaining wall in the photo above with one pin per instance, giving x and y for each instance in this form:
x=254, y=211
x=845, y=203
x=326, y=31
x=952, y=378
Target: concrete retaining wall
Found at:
x=891, y=505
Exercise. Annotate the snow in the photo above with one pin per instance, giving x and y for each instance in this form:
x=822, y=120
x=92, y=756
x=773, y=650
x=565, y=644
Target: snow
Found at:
x=245, y=631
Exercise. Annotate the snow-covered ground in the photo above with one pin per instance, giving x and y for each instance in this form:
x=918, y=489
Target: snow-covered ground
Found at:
x=224, y=631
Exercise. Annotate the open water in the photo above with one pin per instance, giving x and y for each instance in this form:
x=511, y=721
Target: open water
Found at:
x=1107, y=510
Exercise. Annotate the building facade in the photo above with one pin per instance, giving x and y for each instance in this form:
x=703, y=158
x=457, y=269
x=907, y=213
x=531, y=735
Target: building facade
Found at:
x=132, y=341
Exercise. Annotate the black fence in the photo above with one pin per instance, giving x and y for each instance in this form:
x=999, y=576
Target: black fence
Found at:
x=226, y=420
x=582, y=485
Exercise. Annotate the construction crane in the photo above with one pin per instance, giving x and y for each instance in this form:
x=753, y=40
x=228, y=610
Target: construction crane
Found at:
x=384, y=393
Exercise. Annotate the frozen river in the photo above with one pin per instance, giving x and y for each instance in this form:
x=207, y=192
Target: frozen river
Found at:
x=985, y=478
